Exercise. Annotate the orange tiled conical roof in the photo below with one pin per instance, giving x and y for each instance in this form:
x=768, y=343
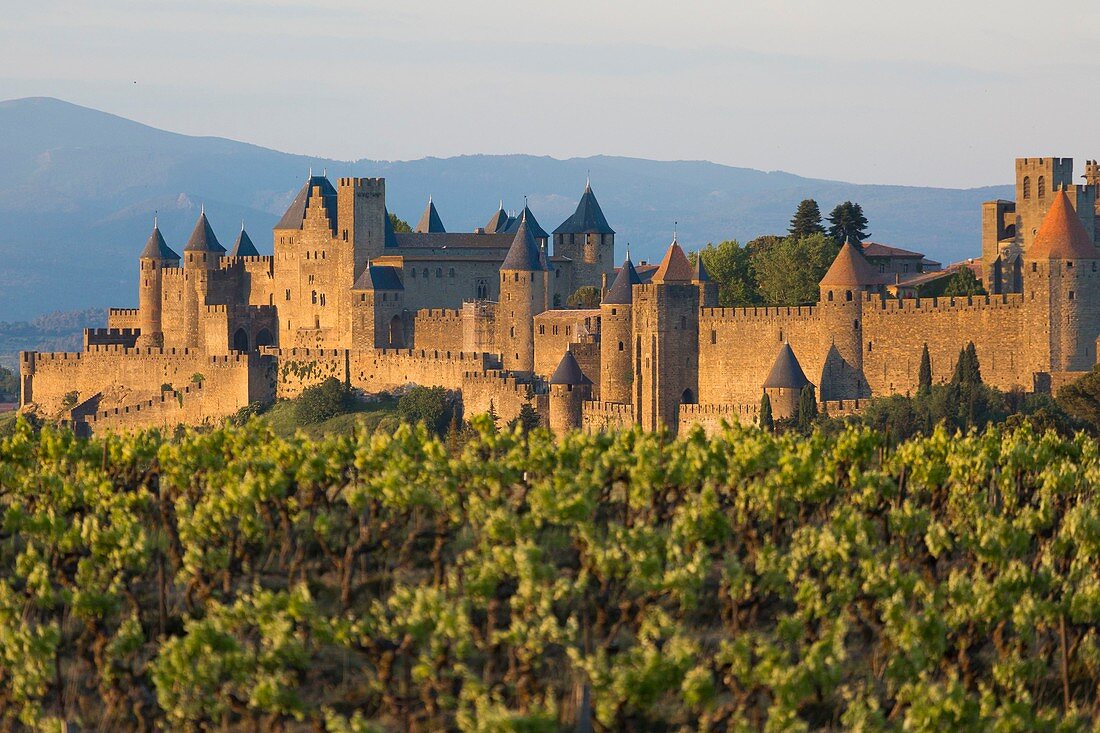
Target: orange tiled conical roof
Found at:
x=1062, y=236
x=674, y=268
x=850, y=268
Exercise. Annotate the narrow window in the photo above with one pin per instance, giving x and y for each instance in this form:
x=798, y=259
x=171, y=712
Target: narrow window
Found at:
x=620, y=346
x=713, y=336
x=847, y=294
x=288, y=293
x=1042, y=186
x=1027, y=187
x=1071, y=295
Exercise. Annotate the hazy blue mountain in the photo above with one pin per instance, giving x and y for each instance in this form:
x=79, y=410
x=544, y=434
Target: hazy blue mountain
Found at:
x=78, y=189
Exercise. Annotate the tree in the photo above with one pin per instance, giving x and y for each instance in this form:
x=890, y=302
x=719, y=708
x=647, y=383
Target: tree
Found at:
x=1081, y=399
x=399, y=224
x=588, y=296
x=767, y=422
x=788, y=271
x=963, y=283
x=730, y=267
x=432, y=406
x=322, y=401
x=528, y=418
x=806, y=220
x=807, y=408
x=924, y=376
x=9, y=385
x=848, y=222
x=968, y=371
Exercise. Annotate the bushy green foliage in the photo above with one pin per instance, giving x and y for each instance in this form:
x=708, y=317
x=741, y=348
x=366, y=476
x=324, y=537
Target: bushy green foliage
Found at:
x=962, y=283
x=235, y=580
x=847, y=222
x=766, y=420
x=9, y=385
x=788, y=272
x=587, y=296
x=399, y=225
x=924, y=374
x=807, y=408
x=433, y=406
x=729, y=266
x=322, y=401
x=528, y=418
x=1081, y=399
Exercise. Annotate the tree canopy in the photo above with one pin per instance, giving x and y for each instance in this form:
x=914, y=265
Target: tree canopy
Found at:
x=848, y=222
x=788, y=272
x=806, y=220
x=399, y=224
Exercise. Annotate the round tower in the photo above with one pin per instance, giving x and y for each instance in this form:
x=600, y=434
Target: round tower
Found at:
x=522, y=297
x=1062, y=292
x=784, y=384
x=708, y=289
x=850, y=278
x=616, y=326
x=588, y=240
x=201, y=255
x=569, y=389
x=153, y=259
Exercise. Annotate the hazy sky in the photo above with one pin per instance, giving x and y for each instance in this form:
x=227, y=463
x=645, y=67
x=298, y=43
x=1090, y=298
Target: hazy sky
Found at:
x=927, y=92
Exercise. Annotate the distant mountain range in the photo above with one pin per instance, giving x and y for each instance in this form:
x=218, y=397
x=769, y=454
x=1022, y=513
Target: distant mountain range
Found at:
x=78, y=189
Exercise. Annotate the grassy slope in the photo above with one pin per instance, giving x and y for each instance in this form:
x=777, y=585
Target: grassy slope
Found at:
x=367, y=415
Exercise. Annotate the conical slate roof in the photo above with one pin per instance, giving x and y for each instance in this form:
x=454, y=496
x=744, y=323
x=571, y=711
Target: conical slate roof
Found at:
x=499, y=223
x=243, y=247
x=587, y=218
x=524, y=254
x=390, y=235
x=699, y=272
x=429, y=220
x=537, y=231
x=1062, y=236
x=379, y=277
x=786, y=371
x=203, y=238
x=569, y=372
x=850, y=268
x=621, y=291
x=296, y=212
x=156, y=248
x=674, y=267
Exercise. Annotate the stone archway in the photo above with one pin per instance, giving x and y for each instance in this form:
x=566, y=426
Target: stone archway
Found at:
x=264, y=338
x=687, y=397
x=397, y=333
x=240, y=340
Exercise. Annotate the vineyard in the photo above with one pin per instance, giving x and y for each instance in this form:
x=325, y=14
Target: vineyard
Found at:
x=235, y=580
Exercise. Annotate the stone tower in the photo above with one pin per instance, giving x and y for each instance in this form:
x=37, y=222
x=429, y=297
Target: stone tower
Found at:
x=378, y=309
x=153, y=259
x=1062, y=292
x=202, y=254
x=666, y=342
x=784, y=384
x=588, y=240
x=708, y=289
x=569, y=389
x=522, y=297
x=849, y=280
x=616, y=326
x=1037, y=180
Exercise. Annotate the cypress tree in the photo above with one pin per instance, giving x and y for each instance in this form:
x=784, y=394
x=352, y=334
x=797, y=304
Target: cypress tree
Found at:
x=848, y=222
x=807, y=408
x=766, y=420
x=975, y=367
x=806, y=220
x=924, y=383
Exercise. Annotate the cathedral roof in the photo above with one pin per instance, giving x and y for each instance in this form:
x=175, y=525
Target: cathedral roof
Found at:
x=537, y=231
x=379, y=277
x=699, y=272
x=156, y=248
x=786, y=371
x=621, y=291
x=243, y=247
x=850, y=268
x=296, y=212
x=569, y=371
x=674, y=267
x=524, y=254
x=499, y=222
x=587, y=218
x=1062, y=236
x=429, y=220
x=203, y=238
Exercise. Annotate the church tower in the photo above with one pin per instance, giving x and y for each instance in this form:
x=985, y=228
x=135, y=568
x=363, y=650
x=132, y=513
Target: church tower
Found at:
x=849, y=280
x=616, y=326
x=522, y=297
x=588, y=240
x=666, y=342
x=153, y=259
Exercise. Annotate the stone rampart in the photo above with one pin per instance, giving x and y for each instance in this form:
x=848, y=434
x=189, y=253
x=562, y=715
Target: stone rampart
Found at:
x=601, y=416
x=506, y=394
x=438, y=328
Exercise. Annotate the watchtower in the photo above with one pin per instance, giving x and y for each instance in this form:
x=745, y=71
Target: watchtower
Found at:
x=522, y=297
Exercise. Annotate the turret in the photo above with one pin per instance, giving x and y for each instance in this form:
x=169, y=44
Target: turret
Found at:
x=243, y=247
x=708, y=290
x=1062, y=291
x=666, y=342
x=201, y=255
x=203, y=250
x=499, y=221
x=850, y=278
x=429, y=223
x=378, y=309
x=588, y=240
x=616, y=325
x=784, y=384
x=153, y=259
x=522, y=297
x=569, y=389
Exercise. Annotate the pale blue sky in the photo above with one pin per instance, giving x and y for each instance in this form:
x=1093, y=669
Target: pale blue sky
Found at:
x=924, y=93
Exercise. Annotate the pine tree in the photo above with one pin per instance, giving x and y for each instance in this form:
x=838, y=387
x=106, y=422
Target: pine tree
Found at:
x=767, y=422
x=493, y=414
x=968, y=371
x=975, y=367
x=924, y=377
x=806, y=220
x=848, y=222
x=807, y=408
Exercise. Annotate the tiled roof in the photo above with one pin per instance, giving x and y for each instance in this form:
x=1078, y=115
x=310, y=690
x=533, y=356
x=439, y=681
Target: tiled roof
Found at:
x=524, y=254
x=499, y=222
x=699, y=272
x=587, y=218
x=786, y=371
x=850, y=268
x=621, y=291
x=674, y=267
x=532, y=224
x=296, y=212
x=569, y=372
x=457, y=240
x=379, y=277
x=156, y=248
x=429, y=220
x=243, y=247
x=1062, y=236
x=874, y=249
x=202, y=237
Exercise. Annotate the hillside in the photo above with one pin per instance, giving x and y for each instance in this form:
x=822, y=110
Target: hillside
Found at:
x=78, y=189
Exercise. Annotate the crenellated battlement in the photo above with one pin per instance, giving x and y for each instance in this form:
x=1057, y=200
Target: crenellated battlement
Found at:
x=125, y=312
x=760, y=312
x=943, y=304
